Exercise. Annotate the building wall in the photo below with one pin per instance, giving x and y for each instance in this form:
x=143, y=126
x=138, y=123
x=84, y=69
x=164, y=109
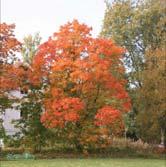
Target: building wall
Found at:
x=11, y=114
x=8, y=117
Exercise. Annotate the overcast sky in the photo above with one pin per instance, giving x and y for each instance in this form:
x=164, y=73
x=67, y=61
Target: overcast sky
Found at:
x=45, y=16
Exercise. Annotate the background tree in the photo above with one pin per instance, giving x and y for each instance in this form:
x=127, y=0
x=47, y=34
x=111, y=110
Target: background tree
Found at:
x=140, y=27
x=134, y=25
x=152, y=116
x=9, y=45
x=9, y=70
x=32, y=133
x=30, y=47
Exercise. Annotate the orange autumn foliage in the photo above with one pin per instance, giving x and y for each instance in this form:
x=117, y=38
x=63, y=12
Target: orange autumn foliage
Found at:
x=10, y=73
x=64, y=110
x=11, y=78
x=8, y=43
x=82, y=84
x=107, y=115
x=83, y=73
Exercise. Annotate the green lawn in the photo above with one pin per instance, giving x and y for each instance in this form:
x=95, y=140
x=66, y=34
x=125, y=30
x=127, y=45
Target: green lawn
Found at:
x=86, y=163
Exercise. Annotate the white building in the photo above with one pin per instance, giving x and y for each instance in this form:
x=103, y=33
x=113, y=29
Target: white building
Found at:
x=11, y=114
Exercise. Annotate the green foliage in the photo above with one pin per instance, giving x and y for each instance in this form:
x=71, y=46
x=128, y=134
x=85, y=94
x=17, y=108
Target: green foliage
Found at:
x=152, y=98
x=29, y=47
x=32, y=133
x=4, y=103
x=139, y=26
x=12, y=141
x=131, y=129
x=2, y=130
x=134, y=25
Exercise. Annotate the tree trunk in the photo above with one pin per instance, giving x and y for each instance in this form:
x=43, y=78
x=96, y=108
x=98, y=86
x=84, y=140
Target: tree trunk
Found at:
x=78, y=146
x=162, y=137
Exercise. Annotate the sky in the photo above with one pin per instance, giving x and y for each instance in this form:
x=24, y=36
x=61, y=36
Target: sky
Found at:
x=46, y=16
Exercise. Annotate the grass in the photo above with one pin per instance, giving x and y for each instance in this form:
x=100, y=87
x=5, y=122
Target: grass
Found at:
x=86, y=163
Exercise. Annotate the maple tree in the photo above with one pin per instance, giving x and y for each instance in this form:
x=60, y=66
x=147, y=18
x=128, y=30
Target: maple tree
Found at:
x=84, y=85
x=14, y=75
x=10, y=72
x=79, y=80
x=8, y=43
